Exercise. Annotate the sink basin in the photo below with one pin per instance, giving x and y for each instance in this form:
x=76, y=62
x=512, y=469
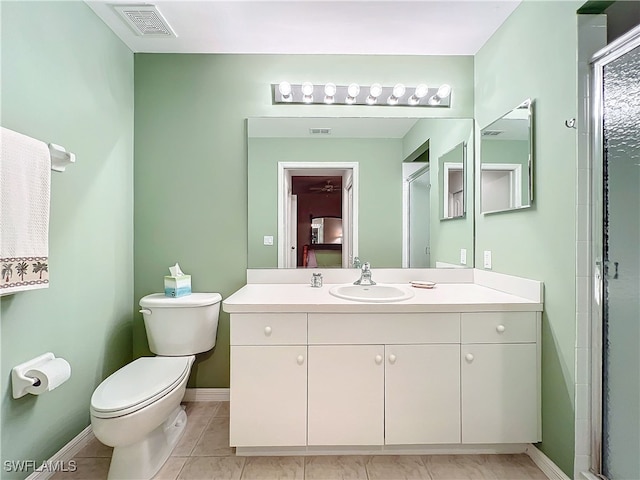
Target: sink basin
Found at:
x=371, y=293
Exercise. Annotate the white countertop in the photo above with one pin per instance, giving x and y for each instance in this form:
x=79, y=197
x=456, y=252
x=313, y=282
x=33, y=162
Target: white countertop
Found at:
x=445, y=297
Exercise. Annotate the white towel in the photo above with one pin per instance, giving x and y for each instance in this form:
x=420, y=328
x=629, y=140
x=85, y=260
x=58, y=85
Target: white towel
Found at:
x=25, y=184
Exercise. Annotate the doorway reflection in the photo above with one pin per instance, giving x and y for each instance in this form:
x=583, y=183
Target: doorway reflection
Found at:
x=319, y=220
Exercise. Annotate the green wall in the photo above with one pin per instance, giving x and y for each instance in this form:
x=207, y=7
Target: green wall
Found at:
x=380, y=188
x=67, y=79
x=191, y=158
x=534, y=55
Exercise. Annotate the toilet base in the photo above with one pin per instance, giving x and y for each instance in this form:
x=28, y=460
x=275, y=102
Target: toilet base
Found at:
x=143, y=459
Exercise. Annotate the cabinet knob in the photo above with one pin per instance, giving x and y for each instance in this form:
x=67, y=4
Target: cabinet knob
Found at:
x=267, y=331
x=469, y=357
x=378, y=359
x=300, y=359
x=392, y=359
x=500, y=328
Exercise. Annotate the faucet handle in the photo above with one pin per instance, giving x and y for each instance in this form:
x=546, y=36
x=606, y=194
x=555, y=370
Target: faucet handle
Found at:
x=366, y=267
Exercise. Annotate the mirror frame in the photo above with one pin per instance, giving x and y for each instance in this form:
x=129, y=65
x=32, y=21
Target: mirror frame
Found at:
x=528, y=106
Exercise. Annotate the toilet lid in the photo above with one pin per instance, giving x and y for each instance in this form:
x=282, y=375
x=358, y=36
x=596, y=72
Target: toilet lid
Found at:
x=138, y=384
x=159, y=300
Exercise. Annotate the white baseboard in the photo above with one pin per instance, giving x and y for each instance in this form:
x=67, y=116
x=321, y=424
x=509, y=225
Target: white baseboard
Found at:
x=588, y=476
x=61, y=459
x=206, y=395
x=544, y=463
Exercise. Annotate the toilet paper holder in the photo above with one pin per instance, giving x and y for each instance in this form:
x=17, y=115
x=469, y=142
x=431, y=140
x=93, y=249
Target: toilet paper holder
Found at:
x=20, y=381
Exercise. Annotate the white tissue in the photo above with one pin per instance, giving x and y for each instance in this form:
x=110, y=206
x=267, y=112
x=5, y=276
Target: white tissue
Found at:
x=175, y=271
x=49, y=375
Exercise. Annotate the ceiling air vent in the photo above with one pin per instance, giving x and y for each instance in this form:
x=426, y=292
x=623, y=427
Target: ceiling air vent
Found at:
x=492, y=133
x=145, y=20
x=320, y=131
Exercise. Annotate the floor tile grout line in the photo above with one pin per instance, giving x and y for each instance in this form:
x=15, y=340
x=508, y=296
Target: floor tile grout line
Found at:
x=204, y=430
x=244, y=464
x=182, y=468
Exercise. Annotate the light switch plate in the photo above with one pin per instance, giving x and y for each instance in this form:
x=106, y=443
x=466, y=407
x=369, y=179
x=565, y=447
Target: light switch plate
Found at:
x=268, y=239
x=463, y=256
x=487, y=259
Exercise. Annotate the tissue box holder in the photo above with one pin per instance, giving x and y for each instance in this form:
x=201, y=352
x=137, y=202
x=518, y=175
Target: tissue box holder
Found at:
x=177, y=286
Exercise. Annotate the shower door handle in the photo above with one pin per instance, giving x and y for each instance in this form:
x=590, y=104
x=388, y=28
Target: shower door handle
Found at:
x=606, y=269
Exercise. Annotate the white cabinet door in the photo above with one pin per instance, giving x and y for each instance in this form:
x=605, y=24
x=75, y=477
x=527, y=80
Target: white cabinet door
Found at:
x=422, y=394
x=346, y=395
x=268, y=396
x=499, y=393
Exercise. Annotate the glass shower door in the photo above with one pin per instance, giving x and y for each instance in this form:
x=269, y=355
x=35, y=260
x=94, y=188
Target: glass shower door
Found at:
x=620, y=266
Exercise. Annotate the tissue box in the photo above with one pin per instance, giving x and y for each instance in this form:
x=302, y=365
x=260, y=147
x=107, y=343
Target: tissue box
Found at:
x=177, y=286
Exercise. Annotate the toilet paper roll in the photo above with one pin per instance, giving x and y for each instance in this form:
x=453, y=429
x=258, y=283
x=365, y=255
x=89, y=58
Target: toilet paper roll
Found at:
x=49, y=375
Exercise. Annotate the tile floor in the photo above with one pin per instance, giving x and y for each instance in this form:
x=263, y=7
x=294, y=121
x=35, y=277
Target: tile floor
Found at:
x=204, y=454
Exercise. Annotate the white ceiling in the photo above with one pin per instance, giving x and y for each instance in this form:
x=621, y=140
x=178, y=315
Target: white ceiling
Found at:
x=418, y=27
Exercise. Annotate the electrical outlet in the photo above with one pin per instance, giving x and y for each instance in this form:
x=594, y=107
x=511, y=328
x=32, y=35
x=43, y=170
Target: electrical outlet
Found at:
x=268, y=240
x=487, y=259
x=463, y=256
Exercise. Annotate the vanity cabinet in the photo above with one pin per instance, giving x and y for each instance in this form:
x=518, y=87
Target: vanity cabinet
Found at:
x=384, y=379
x=422, y=394
x=412, y=365
x=346, y=401
x=500, y=377
x=268, y=380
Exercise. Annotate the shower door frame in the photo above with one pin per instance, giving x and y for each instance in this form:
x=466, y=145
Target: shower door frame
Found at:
x=599, y=61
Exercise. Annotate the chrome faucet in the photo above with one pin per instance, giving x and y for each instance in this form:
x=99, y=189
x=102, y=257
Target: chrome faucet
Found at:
x=365, y=276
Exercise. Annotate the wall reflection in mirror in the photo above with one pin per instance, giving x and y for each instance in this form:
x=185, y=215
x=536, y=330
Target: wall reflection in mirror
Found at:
x=506, y=157
x=451, y=181
x=328, y=190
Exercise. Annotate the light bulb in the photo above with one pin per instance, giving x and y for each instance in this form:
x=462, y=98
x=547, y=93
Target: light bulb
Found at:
x=329, y=99
x=392, y=100
x=330, y=89
x=353, y=90
x=413, y=100
x=375, y=90
x=434, y=100
x=371, y=100
x=307, y=88
x=444, y=90
x=350, y=100
x=421, y=90
x=285, y=89
x=398, y=90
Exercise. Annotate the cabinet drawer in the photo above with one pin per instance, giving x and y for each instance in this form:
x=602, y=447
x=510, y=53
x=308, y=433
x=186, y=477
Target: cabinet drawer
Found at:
x=499, y=327
x=269, y=329
x=383, y=328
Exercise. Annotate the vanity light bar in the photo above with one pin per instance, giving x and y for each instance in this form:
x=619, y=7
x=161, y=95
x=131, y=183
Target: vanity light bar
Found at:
x=354, y=94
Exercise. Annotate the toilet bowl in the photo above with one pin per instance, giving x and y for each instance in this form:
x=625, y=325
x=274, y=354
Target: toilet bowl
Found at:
x=137, y=409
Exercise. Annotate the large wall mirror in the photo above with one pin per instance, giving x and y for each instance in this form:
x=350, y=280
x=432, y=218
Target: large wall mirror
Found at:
x=506, y=161
x=372, y=182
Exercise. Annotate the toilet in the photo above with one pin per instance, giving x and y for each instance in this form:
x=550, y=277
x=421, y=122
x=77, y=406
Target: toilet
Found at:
x=137, y=409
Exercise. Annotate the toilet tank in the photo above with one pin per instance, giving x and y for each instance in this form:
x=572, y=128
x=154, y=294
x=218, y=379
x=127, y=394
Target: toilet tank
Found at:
x=181, y=326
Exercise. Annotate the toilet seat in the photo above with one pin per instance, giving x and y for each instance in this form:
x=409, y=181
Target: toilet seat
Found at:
x=138, y=384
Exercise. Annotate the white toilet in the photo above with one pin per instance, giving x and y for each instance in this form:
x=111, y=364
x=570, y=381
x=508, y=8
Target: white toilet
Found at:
x=137, y=409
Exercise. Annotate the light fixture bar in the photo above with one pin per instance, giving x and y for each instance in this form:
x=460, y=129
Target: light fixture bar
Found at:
x=416, y=96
